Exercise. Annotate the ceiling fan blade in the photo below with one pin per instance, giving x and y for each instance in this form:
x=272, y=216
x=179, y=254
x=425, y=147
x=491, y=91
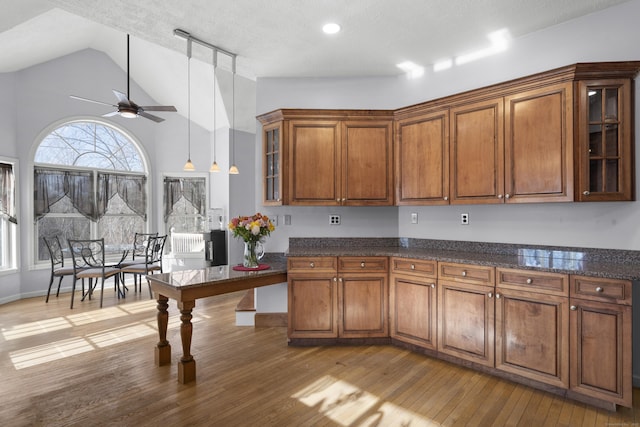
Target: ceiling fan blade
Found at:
x=122, y=98
x=150, y=117
x=158, y=108
x=91, y=100
x=111, y=114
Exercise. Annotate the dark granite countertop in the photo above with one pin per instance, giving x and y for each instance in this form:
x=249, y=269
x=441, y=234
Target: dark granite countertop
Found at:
x=605, y=263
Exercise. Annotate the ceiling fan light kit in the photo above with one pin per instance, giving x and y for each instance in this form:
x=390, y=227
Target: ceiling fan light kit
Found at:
x=126, y=107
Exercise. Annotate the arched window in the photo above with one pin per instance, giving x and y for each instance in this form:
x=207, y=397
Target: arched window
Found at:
x=90, y=181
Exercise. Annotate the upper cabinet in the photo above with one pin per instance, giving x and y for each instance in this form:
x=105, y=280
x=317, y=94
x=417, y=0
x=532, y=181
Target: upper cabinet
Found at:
x=558, y=136
x=329, y=158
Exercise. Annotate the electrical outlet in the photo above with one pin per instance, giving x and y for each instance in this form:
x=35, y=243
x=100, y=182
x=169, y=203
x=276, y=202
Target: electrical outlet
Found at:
x=464, y=219
x=334, y=219
x=414, y=218
x=287, y=219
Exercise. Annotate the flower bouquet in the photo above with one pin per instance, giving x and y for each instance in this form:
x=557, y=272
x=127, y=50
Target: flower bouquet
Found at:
x=252, y=230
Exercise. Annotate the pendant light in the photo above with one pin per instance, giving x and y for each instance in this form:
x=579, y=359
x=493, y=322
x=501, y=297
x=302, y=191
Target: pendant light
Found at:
x=189, y=166
x=214, y=165
x=233, y=170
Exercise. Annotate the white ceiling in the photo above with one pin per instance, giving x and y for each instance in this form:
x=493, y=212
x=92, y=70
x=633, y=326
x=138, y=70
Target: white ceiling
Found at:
x=275, y=38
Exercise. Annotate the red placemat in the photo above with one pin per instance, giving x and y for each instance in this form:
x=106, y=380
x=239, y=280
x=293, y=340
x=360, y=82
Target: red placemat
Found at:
x=259, y=267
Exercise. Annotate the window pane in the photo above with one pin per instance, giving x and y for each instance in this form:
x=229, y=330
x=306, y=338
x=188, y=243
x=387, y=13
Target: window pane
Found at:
x=64, y=227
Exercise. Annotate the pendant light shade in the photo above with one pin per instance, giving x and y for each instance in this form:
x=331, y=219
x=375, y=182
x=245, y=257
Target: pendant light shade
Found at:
x=189, y=165
x=233, y=170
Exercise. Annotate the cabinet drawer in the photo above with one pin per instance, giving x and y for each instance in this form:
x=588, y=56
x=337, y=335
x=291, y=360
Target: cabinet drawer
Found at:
x=599, y=289
x=424, y=268
x=549, y=283
x=362, y=264
x=311, y=264
x=467, y=273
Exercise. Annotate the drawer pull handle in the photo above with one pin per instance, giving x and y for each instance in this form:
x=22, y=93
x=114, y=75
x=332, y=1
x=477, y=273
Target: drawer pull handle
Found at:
x=413, y=267
x=362, y=264
x=529, y=281
x=599, y=289
x=573, y=308
x=464, y=273
x=312, y=265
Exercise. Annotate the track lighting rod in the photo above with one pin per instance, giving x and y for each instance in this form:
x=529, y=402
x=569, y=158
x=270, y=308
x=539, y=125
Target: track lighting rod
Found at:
x=185, y=35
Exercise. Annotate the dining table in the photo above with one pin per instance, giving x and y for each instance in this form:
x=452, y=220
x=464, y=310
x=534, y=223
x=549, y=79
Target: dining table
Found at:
x=187, y=286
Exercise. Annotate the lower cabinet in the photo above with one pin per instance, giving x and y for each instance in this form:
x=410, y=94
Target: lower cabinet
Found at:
x=338, y=297
x=532, y=325
x=600, y=330
x=413, y=302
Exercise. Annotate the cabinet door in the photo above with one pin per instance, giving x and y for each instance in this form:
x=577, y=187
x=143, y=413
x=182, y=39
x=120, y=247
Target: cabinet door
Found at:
x=272, y=167
x=477, y=153
x=532, y=336
x=363, y=305
x=412, y=311
x=604, y=149
x=422, y=160
x=466, y=316
x=367, y=163
x=315, y=162
x=539, y=145
x=601, y=351
x=313, y=306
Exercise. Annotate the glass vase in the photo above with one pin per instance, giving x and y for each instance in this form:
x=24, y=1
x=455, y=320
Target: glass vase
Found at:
x=253, y=253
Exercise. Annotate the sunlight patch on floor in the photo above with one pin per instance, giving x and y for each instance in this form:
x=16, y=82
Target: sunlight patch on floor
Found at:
x=49, y=352
x=346, y=404
x=35, y=328
x=120, y=335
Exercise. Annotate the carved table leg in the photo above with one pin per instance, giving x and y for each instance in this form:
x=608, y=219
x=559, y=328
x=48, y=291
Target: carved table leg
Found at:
x=187, y=365
x=163, y=349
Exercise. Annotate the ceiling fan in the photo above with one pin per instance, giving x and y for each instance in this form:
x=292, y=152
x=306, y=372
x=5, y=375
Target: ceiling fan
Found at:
x=126, y=107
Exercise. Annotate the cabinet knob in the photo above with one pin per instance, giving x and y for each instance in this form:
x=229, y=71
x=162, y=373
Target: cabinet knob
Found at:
x=586, y=193
x=498, y=296
x=499, y=196
x=529, y=281
x=338, y=200
x=599, y=289
x=413, y=266
x=507, y=196
x=340, y=280
x=362, y=264
x=446, y=198
x=335, y=279
x=433, y=285
x=464, y=273
x=573, y=308
x=490, y=294
x=311, y=264
x=343, y=199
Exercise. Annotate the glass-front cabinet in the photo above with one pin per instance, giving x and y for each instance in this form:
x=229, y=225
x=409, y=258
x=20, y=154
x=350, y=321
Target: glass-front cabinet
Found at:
x=604, y=151
x=272, y=164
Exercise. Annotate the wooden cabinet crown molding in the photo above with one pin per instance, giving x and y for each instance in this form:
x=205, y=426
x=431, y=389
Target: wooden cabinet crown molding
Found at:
x=323, y=114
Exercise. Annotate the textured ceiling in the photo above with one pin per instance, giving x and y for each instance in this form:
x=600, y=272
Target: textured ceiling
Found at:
x=283, y=38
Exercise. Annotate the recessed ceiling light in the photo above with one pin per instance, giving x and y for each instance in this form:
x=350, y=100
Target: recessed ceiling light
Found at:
x=331, y=28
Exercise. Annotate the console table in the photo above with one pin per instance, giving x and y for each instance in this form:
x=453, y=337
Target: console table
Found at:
x=186, y=287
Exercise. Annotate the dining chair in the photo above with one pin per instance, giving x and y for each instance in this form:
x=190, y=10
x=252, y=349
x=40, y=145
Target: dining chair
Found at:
x=151, y=263
x=138, y=253
x=89, y=263
x=57, y=264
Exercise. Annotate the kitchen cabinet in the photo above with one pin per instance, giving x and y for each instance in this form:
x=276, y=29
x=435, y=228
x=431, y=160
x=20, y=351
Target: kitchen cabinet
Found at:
x=329, y=158
x=466, y=312
x=422, y=159
x=600, y=339
x=514, y=149
x=532, y=325
x=604, y=149
x=338, y=297
x=413, y=302
x=312, y=297
x=362, y=296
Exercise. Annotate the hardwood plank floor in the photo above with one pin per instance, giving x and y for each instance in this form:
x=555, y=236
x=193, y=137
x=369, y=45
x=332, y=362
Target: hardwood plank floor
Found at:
x=95, y=367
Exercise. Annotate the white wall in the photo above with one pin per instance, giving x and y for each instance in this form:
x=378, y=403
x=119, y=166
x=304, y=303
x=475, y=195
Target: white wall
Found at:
x=604, y=225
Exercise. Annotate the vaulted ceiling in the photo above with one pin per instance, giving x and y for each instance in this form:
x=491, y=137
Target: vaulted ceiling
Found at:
x=275, y=38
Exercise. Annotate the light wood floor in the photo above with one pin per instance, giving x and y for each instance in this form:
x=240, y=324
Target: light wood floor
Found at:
x=90, y=366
